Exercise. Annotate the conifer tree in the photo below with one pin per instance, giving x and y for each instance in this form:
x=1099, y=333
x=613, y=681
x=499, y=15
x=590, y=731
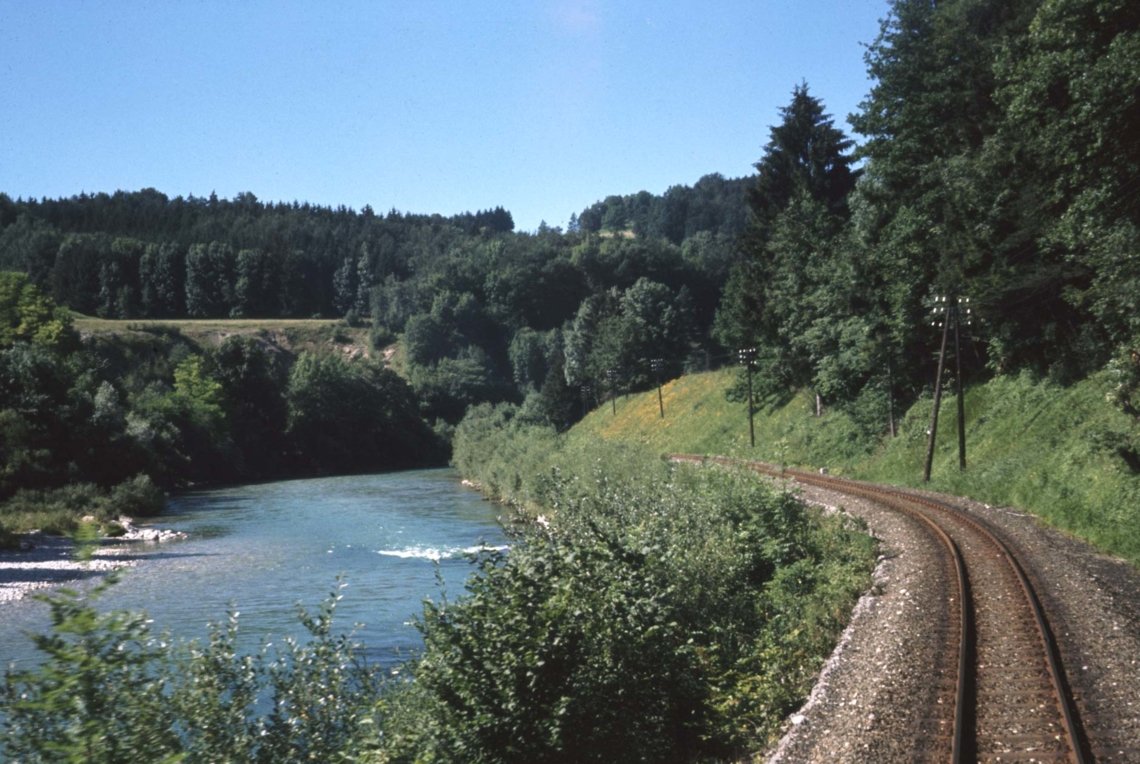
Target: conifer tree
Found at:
x=806, y=165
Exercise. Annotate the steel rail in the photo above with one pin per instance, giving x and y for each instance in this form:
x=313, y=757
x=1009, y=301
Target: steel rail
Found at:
x=898, y=499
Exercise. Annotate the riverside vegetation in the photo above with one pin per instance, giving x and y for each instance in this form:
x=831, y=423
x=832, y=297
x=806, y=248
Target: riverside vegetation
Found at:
x=697, y=603
x=654, y=613
x=98, y=426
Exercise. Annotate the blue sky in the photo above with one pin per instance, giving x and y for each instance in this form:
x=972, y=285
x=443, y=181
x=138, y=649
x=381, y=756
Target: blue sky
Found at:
x=543, y=107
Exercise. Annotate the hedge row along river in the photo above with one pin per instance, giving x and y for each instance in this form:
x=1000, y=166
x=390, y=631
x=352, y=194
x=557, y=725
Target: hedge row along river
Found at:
x=262, y=549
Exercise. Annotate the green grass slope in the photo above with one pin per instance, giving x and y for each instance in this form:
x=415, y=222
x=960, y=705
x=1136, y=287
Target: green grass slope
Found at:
x=1030, y=444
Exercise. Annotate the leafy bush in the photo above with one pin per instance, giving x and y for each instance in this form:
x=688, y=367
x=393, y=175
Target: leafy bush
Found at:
x=59, y=510
x=93, y=698
x=686, y=609
x=111, y=691
x=561, y=651
x=137, y=497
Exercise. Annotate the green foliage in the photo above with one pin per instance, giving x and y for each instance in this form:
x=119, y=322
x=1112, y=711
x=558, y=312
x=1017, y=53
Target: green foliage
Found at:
x=209, y=279
x=1047, y=449
x=48, y=432
x=528, y=355
x=83, y=703
x=198, y=393
x=256, y=284
x=59, y=510
x=454, y=291
x=252, y=380
x=687, y=608
x=28, y=315
x=793, y=284
x=807, y=156
x=74, y=272
x=482, y=450
x=137, y=497
x=348, y=416
x=150, y=401
x=426, y=339
x=1063, y=453
x=558, y=653
x=616, y=335
x=1072, y=84
x=713, y=205
x=161, y=280
x=108, y=690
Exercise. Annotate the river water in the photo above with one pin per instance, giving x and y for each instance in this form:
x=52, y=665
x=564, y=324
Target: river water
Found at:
x=262, y=549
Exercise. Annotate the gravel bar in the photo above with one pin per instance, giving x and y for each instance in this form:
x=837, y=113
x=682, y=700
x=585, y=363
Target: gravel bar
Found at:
x=46, y=561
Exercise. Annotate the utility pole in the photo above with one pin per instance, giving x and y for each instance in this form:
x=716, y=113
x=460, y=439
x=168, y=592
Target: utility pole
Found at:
x=958, y=386
x=747, y=357
x=958, y=303
x=657, y=364
x=937, y=394
x=611, y=376
x=891, y=400
x=947, y=311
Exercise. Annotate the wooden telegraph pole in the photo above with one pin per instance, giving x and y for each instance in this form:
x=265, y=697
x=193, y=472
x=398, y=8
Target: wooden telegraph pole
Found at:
x=657, y=364
x=961, y=393
x=939, y=309
x=947, y=311
x=747, y=357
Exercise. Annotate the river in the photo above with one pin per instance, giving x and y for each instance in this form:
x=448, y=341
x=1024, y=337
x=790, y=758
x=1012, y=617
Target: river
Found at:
x=263, y=548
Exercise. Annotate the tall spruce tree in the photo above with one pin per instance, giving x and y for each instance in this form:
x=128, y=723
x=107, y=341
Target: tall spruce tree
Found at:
x=798, y=205
x=807, y=155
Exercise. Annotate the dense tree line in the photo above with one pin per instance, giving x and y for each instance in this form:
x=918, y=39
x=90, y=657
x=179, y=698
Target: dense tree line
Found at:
x=713, y=205
x=102, y=410
x=999, y=163
x=485, y=314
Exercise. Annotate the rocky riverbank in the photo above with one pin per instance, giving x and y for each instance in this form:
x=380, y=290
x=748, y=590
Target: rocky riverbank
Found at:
x=44, y=561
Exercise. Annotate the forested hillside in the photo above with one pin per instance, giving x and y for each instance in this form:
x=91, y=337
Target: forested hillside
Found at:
x=484, y=313
x=998, y=184
x=990, y=186
x=120, y=416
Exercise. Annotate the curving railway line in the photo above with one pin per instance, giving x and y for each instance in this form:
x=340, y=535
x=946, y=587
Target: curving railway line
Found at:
x=1000, y=692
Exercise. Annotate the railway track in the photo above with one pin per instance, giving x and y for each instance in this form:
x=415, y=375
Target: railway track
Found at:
x=1000, y=693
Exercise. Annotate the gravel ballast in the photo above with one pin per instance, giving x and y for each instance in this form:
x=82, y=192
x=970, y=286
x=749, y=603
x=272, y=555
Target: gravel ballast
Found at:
x=873, y=698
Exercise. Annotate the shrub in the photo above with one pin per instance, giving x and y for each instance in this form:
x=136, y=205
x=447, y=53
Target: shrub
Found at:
x=109, y=690
x=561, y=651
x=137, y=497
x=58, y=510
x=687, y=609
